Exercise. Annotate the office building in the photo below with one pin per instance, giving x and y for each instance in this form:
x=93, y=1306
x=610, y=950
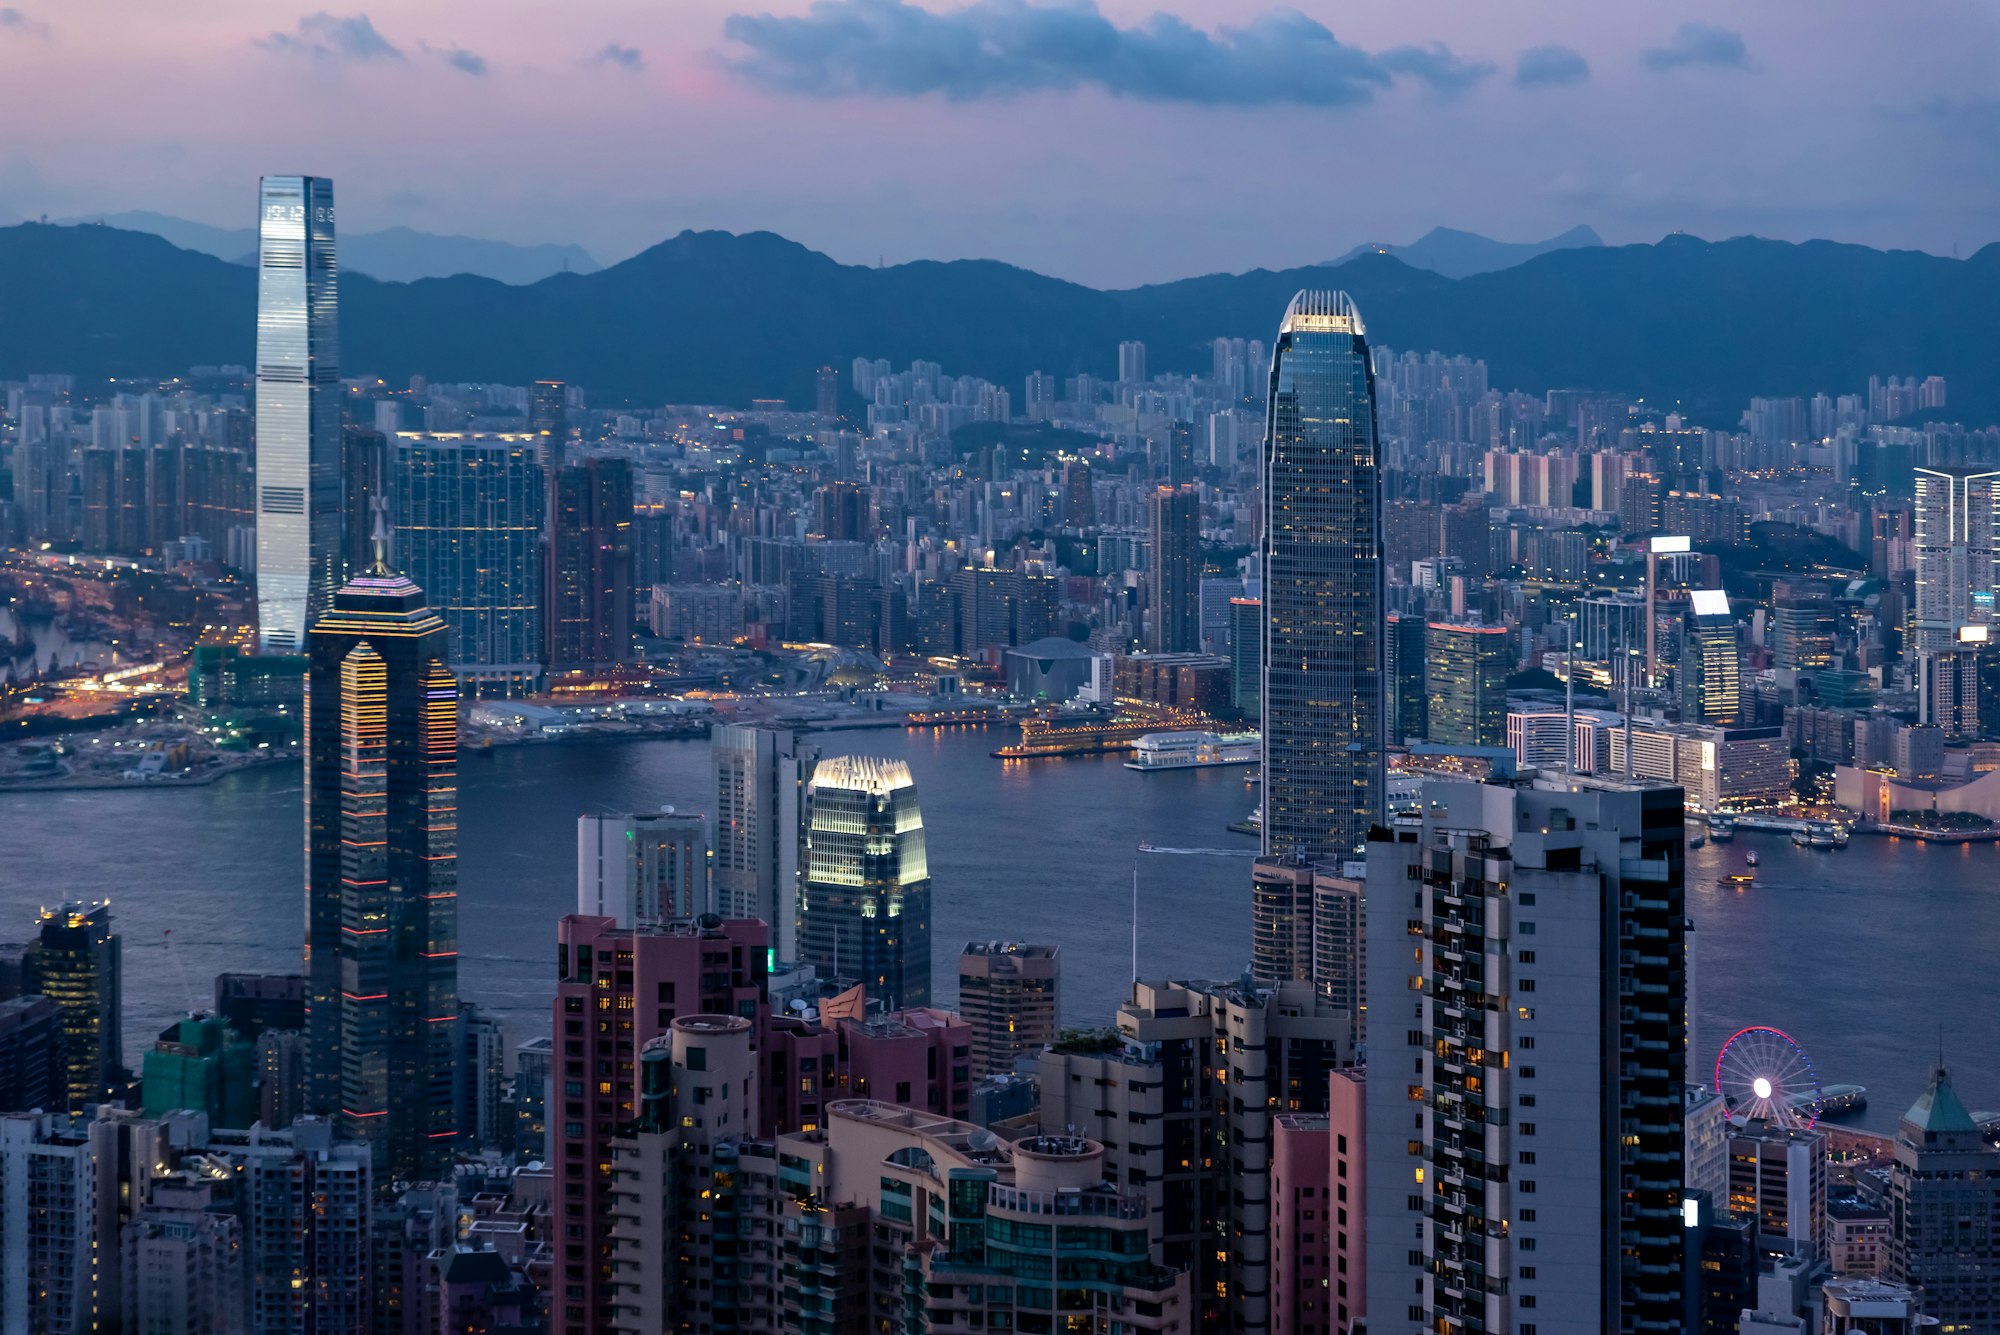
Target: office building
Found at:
x=1404, y=651
x=76, y=961
x=548, y=422
x=760, y=789
x=647, y=977
x=1944, y=1210
x=1193, y=1135
x=381, y=874
x=1173, y=584
x=587, y=611
x=1009, y=994
x=642, y=870
x=1281, y=920
x=1322, y=585
x=299, y=554
x=32, y=1073
x=1525, y=1159
x=468, y=532
x=1132, y=363
x=1711, y=691
x=1957, y=552
x=1246, y=656
x=1777, y=1177
x=1465, y=679
x=865, y=896
x=1339, y=963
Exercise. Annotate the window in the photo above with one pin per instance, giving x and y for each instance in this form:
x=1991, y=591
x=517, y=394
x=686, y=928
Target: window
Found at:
x=1527, y=1073
x=1525, y=928
x=1527, y=1041
x=1527, y=1216
x=1527, y=1300
x=1527, y=1186
x=1527, y=1128
x=1525, y=956
x=1527, y=984
x=1527, y=899
x=1525, y=1244
x=1527, y=1156
x=1527, y=1272
x=1527, y=1100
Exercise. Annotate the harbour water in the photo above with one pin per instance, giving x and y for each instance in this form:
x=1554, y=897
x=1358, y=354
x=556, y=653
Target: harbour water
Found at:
x=1867, y=956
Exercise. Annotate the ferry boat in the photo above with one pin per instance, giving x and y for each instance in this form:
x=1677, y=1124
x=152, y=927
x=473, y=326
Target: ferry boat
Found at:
x=1739, y=880
x=1721, y=829
x=1751, y=857
x=1194, y=750
x=1696, y=839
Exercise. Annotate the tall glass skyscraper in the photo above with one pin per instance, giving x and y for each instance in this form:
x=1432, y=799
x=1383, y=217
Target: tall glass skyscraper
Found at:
x=382, y=1017
x=298, y=410
x=865, y=908
x=1322, y=556
x=469, y=534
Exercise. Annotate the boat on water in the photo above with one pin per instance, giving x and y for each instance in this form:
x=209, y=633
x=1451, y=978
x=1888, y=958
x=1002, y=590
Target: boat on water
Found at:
x=1751, y=857
x=1739, y=880
x=1820, y=834
x=1721, y=829
x=1696, y=838
x=1194, y=750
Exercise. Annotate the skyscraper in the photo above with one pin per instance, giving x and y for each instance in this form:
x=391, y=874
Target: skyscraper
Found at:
x=1465, y=682
x=75, y=961
x=760, y=790
x=381, y=874
x=1322, y=587
x=1711, y=690
x=468, y=532
x=1403, y=666
x=1174, y=571
x=865, y=906
x=587, y=613
x=298, y=410
x=642, y=870
x=1525, y=1158
x=1957, y=552
x=548, y=419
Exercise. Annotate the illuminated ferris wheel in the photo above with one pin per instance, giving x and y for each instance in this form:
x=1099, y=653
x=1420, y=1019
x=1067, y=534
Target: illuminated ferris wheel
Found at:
x=1764, y=1075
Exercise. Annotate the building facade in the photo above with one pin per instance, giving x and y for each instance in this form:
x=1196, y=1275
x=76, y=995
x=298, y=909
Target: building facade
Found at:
x=299, y=558
x=642, y=870
x=1525, y=1159
x=865, y=898
x=1174, y=570
x=382, y=880
x=1322, y=585
x=1010, y=996
x=760, y=794
x=77, y=962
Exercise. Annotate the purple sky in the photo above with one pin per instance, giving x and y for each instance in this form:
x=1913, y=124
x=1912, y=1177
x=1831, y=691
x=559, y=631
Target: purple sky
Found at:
x=1101, y=143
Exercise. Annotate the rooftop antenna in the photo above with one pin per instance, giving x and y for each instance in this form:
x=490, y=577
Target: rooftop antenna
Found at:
x=380, y=535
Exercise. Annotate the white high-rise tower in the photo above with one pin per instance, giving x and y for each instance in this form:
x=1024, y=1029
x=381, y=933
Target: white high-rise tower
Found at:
x=299, y=562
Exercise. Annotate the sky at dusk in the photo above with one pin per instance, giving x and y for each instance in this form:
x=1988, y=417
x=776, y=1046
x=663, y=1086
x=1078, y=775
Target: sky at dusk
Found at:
x=1112, y=143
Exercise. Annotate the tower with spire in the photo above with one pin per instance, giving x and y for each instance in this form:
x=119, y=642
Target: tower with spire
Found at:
x=1944, y=1210
x=381, y=953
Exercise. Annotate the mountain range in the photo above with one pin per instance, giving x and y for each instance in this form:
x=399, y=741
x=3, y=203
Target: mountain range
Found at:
x=396, y=254
x=712, y=317
x=1456, y=254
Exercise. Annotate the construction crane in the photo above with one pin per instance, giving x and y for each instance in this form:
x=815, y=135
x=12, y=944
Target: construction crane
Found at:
x=1171, y=852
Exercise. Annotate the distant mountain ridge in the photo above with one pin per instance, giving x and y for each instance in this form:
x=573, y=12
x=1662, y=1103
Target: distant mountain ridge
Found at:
x=712, y=317
x=1456, y=254
x=394, y=254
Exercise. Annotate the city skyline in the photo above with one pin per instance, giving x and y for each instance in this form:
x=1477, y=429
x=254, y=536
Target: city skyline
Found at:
x=1581, y=84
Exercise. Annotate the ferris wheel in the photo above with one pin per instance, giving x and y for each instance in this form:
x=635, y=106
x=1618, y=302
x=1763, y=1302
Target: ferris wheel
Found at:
x=1764, y=1075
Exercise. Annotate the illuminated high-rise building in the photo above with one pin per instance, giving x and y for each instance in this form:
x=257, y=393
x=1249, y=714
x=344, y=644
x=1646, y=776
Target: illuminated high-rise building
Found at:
x=642, y=870
x=1465, y=683
x=75, y=961
x=1957, y=552
x=760, y=792
x=865, y=905
x=1322, y=586
x=1711, y=687
x=298, y=410
x=469, y=534
x=381, y=956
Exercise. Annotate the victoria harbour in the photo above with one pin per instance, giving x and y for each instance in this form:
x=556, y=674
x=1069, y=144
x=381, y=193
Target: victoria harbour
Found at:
x=1844, y=950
